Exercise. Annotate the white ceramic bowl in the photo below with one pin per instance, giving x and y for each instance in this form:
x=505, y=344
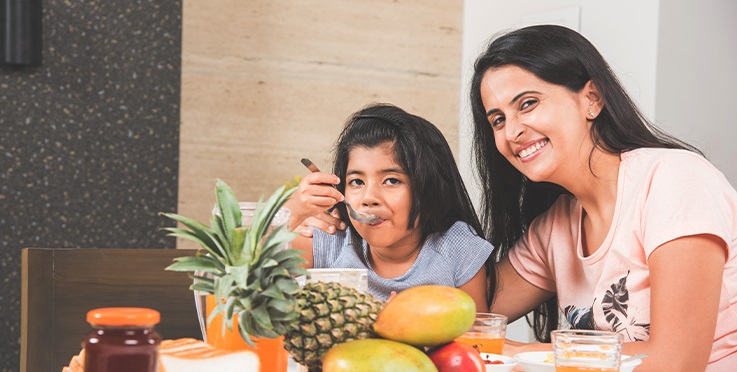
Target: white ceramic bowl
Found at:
x=542, y=361
x=509, y=362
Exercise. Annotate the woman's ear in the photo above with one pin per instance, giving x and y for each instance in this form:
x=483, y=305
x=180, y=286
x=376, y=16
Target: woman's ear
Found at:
x=592, y=99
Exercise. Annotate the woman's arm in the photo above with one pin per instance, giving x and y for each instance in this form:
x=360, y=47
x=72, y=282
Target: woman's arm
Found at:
x=515, y=296
x=685, y=285
x=476, y=288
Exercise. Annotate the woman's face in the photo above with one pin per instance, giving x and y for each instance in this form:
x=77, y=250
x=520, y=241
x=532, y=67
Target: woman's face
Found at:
x=541, y=128
x=377, y=184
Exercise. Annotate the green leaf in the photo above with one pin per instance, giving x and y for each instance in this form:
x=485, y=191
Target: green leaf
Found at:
x=189, y=263
x=287, y=285
x=261, y=316
x=242, y=324
x=237, y=246
x=230, y=210
x=273, y=292
x=198, y=232
x=282, y=306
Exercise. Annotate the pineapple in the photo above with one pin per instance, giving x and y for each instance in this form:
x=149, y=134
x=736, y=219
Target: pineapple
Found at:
x=254, y=280
x=329, y=314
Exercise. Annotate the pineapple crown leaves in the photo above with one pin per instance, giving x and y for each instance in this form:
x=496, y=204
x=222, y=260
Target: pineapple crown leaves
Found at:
x=242, y=266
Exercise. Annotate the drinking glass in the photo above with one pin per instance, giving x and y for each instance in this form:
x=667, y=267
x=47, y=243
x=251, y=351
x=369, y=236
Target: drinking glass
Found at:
x=487, y=333
x=578, y=350
x=353, y=278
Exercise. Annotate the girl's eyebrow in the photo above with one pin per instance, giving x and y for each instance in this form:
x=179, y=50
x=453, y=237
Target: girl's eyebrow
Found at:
x=495, y=110
x=383, y=171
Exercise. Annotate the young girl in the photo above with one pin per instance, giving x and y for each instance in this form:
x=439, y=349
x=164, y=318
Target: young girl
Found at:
x=398, y=167
x=633, y=231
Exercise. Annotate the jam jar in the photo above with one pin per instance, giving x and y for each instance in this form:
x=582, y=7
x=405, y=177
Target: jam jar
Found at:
x=122, y=339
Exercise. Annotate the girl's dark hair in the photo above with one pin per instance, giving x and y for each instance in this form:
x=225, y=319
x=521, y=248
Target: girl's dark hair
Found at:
x=510, y=201
x=439, y=196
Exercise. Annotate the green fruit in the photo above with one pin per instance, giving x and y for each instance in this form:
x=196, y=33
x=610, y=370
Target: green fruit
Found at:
x=427, y=315
x=375, y=355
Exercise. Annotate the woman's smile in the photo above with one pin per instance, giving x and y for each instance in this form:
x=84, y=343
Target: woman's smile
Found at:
x=530, y=151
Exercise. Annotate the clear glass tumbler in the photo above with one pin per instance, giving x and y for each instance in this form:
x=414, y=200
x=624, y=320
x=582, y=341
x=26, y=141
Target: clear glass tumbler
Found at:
x=578, y=350
x=487, y=333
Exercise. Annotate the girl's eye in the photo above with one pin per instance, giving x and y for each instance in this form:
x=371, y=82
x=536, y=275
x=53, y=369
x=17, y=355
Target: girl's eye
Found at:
x=355, y=182
x=528, y=103
x=393, y=181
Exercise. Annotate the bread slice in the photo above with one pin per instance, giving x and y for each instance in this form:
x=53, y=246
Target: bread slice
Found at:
x=190, y=355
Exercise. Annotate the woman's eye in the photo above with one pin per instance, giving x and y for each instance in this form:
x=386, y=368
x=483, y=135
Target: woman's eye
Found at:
x=528, y=103
x=497, y=121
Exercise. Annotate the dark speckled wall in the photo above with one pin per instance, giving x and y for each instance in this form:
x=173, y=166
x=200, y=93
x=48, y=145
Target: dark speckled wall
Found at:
x=89, y=140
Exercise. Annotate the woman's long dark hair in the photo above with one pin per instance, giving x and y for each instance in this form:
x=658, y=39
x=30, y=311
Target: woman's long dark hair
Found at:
x=510, y=201
x=439, y=196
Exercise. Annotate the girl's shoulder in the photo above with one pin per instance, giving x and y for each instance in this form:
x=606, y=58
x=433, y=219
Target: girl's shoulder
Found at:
x=460, y=236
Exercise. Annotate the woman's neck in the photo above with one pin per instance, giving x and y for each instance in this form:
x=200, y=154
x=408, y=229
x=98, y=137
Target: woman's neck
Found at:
x=596, y=189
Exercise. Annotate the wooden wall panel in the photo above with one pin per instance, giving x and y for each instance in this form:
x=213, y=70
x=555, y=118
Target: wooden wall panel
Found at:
x=267, y=82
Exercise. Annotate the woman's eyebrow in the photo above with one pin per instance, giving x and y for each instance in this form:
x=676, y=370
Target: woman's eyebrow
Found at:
x=495, y=110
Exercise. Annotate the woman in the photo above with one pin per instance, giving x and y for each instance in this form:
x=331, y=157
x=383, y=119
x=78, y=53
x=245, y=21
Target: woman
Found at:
x=632, y=230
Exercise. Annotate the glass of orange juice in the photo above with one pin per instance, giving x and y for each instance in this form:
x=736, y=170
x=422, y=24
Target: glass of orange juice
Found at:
x=578, y=350
x=487, y=333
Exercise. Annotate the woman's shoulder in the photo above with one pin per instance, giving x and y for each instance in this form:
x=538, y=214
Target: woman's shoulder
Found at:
x=649, y=156
x=671, y=163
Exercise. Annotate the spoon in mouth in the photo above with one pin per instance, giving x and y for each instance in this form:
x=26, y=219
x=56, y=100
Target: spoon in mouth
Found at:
x=365, y=218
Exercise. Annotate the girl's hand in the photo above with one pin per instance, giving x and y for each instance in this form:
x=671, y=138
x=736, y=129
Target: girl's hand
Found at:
x=314, y=195
x=326, y=221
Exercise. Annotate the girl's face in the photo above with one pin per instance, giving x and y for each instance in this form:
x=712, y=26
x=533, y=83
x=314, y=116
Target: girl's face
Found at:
x=377, y=184
x=541, y=128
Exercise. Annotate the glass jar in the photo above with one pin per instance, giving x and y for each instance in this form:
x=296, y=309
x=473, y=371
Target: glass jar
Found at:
x=122, y=340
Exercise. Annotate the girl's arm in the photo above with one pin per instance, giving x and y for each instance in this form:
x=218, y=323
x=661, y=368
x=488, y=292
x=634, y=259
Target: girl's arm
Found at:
x=685, y=280
x=476, y=288
x=304, y=244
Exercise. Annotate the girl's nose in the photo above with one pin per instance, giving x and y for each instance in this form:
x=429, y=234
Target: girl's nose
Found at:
x=371, y=196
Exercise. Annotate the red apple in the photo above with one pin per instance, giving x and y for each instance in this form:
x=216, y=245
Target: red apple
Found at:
x=456, y=356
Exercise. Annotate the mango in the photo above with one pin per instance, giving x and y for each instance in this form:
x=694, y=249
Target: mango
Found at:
x=376, y=355
x=426, y=315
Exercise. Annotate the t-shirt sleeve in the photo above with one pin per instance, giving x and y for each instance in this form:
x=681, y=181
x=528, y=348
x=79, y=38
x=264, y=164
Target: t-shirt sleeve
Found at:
x=531, y=256
x=327, y=247
x=685, y=195
x=467, y=251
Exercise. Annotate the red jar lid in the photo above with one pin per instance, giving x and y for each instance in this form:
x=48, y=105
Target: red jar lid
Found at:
x=123, y=316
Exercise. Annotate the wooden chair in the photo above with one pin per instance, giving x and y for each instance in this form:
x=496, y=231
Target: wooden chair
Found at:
x=59, y=286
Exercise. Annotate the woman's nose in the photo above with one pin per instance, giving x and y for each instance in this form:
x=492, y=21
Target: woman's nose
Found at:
x=514, y=130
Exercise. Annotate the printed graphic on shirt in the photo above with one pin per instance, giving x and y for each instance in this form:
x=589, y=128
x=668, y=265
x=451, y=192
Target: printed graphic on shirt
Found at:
x=614, y=307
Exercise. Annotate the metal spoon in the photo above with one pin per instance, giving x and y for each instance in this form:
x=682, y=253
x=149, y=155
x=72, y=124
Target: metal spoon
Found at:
x=365, y=218
x=634, y=357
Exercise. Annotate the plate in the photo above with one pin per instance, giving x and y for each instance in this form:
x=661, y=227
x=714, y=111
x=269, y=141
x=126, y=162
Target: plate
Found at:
x=542, y=361
x=509, y=362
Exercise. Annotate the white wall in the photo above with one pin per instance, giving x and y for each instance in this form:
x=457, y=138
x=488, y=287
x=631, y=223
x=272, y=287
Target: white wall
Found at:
x=625, y=32
x=697, y=77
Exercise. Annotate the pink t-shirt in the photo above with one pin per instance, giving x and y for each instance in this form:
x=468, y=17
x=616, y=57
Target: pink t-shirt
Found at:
x=662, y=195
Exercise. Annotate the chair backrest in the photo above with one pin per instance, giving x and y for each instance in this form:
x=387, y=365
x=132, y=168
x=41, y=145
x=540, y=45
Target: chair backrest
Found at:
x=60, y=285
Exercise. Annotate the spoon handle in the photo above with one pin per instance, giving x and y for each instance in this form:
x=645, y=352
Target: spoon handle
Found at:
x=307, y=163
